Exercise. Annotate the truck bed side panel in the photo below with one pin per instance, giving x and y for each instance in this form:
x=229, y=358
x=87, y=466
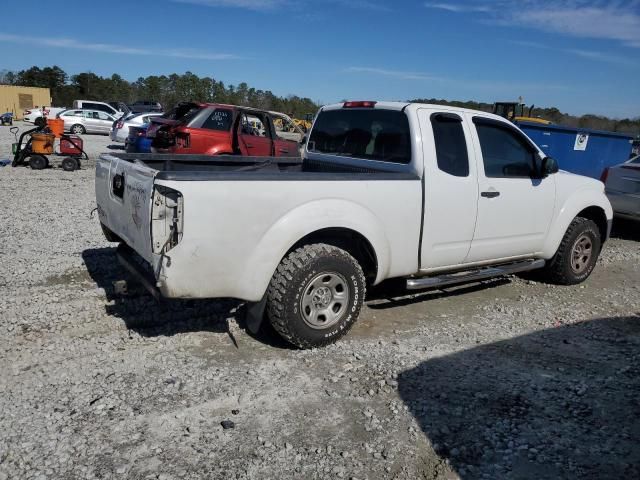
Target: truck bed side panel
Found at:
x=236, y=232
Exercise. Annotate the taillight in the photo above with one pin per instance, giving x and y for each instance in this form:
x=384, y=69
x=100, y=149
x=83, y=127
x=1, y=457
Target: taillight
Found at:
x=605, y=175
x=119, y=125
x=27, y=112
x=359, y=104
x=166, y=219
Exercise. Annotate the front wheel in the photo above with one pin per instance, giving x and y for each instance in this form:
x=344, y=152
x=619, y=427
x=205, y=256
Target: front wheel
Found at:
x=577, y=255
x=78, y=129
x=315, y=296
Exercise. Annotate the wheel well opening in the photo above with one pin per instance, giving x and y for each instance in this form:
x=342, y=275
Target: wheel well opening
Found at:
x=597, y=215
x=350, y=241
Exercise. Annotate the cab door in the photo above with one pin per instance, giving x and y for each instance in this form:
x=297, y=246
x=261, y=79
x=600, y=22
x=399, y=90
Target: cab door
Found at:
x=450, y=188
x=254, y=137
x=515, y=207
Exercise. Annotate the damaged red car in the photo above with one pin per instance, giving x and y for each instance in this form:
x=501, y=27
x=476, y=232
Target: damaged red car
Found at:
x=218, y=129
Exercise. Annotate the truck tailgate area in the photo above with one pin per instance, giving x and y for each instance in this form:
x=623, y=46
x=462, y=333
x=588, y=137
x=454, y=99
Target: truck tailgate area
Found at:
x=123, y=194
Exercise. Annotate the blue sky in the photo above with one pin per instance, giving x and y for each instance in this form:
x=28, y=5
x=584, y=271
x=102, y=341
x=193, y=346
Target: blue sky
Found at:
x=582, y=56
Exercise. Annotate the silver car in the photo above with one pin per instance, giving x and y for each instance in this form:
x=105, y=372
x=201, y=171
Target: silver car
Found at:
x=120, y=128
x=86, y=121
x=622, y=186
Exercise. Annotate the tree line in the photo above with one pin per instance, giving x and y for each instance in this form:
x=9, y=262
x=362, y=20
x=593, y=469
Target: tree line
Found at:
x=595, y=122
x=174, y=88
x=166, y=89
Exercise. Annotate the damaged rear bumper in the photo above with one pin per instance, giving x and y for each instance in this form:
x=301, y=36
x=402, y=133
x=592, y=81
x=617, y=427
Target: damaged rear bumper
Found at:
x=131, y=261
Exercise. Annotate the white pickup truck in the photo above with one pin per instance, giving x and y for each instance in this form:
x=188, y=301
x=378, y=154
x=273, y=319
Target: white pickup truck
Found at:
x=432, y=194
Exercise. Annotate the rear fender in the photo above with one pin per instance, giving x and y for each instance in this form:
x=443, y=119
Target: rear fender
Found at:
x=304, y=220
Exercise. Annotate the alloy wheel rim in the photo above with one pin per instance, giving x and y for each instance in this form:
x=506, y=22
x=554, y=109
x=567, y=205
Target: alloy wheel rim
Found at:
x=581, y=254
x=325, y=300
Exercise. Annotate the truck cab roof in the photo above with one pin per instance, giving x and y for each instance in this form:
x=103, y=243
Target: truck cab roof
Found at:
x=411, y=106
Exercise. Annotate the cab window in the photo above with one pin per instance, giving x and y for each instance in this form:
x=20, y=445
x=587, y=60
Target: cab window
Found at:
x=370, y=134
x=505, y=153
x=451, y=145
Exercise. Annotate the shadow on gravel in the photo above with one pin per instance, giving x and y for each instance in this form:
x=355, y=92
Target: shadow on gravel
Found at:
x=626, y=229
x=395, y=293
x=559, y=403
x=144, y=315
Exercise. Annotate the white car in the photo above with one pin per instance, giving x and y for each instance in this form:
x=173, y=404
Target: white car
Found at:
x=100, y=107
x=86, y=121
x=431, y=194
x=31, y=115
x=120, y=128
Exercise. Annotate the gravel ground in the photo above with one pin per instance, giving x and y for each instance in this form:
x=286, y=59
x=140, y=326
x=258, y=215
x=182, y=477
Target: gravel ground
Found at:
x=505, y=379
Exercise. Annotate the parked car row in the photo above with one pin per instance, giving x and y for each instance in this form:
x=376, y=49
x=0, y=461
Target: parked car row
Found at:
x=120, y=128
x=116, y=109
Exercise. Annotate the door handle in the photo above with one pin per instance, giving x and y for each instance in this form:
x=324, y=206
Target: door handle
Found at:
x=490, y=194
x=283, y=150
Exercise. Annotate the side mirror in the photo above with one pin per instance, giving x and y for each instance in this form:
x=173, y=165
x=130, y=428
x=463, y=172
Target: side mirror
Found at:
x=549, y=167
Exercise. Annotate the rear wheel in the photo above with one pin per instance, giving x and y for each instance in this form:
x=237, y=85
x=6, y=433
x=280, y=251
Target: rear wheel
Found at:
x=38, y=162
x=70, y=164
x=78, y=129
x=315, y=296
x=577, y=255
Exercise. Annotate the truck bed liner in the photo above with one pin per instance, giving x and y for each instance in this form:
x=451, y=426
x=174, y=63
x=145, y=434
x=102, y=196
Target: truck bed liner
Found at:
x=239, y=168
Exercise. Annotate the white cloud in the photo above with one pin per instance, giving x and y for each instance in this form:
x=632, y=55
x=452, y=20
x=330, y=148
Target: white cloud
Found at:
x=294, y=5
x=248, y=4
x=458, y=8
x=70, y=43
x=479, y=84
x=599, y=19
x=588, y=54
x=392, y=73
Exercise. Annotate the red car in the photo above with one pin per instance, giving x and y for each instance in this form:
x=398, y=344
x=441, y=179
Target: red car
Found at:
x=218, y=129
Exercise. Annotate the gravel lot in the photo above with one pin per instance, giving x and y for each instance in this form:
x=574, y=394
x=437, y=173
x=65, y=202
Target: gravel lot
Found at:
x=505, y=379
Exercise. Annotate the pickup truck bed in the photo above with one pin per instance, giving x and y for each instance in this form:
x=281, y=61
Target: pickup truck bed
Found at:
x=235, y=206
x=233, y=167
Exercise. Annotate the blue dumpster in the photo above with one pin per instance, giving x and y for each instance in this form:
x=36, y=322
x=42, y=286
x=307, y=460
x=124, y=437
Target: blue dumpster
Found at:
x=578, y=150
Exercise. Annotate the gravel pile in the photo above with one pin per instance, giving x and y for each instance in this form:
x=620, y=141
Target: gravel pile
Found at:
x=506, y=379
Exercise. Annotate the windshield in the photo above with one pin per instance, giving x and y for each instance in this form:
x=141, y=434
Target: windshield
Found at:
x=371, y=134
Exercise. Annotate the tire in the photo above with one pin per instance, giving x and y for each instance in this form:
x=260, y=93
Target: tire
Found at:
x=315, y=295
x=577, y=254
x=78, y=129
x=38, y=162
x=70, y=164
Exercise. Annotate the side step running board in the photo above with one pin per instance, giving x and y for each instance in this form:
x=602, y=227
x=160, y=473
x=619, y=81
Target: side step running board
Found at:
x=473, y=275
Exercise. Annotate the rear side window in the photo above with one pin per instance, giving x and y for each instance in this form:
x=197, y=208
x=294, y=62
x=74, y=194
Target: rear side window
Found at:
x=451, y=145
x=219, y=119
x=98, y=106
x=370, y=134
x=504, y=152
